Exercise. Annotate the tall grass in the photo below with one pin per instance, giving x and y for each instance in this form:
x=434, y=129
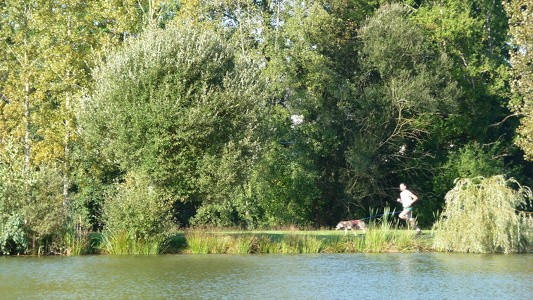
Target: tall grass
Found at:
x=127, y=243
x=208, y=242
x=387, y=237
x=293, y=243
x=382, y=238
x=204, y=242
x=79, y=243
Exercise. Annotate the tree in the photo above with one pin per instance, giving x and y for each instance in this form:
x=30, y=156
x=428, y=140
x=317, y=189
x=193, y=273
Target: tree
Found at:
x=21, y=35
x=47, y=49
x=305, y=50
x=402, y=82
x=310, y=72
x=480, y=216
x=474, y=35
x=27, y=93
x=521, y=30
x=168, y=103
x=90, y=31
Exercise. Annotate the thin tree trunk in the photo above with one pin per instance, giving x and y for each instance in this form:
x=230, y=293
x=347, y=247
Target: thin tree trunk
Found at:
x=27, y=117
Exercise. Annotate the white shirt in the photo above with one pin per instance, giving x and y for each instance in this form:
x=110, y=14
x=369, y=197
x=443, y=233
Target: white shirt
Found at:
x=407, y=198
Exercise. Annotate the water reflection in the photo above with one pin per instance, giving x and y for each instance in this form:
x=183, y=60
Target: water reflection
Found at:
x=272, y=276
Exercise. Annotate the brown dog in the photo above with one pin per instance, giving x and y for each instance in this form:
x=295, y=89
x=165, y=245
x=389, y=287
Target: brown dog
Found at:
x=353, y=225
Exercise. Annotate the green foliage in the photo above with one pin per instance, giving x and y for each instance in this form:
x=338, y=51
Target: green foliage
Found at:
x=13, y=238
x=527, y=228
x=282, y=188
x=470, y=161
x=221, y=182
x=188, y=105
x=137, y=209
x=403, y=81
x=169, y=102
x=45, y=211
x=278, y=189
x=520, y=19
x=411, y=77
x=33, y=213
x=480, y=216
x=474, y=35
x=309, y=65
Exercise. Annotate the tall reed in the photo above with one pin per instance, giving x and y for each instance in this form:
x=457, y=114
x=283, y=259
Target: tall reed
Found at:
x=292, y=243
x=79, y=243
x=345, y=244
x=127, y=243
x=202, y=242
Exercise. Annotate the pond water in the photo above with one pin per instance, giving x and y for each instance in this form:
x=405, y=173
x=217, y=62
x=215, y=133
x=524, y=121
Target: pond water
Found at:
x=269, y=276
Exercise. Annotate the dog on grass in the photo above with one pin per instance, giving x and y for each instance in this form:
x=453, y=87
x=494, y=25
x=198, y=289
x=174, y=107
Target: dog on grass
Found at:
x=353, y=225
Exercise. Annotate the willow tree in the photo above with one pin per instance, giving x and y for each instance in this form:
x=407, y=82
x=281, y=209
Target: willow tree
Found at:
x=480, y=217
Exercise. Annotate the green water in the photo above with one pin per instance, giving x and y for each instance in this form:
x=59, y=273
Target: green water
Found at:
x=271, y=276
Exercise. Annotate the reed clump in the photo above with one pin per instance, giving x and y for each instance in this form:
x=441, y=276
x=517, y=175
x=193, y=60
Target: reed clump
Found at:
x=292, y=243
x=202, y=242
x=80, y=243
x=126, y=242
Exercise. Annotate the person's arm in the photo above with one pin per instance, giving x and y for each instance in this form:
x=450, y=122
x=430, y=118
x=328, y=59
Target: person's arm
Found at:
x=414, y=197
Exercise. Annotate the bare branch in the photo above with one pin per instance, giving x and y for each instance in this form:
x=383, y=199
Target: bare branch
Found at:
x=505, y=119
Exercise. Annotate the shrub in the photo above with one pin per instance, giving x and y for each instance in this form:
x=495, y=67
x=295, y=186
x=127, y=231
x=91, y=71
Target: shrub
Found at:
x=137, y=212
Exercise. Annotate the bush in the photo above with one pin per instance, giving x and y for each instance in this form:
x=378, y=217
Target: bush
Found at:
x=12, y=235
x=33, y=211
x=136, y=212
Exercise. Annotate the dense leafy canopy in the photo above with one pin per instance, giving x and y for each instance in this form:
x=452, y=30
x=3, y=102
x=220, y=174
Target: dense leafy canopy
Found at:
x=521, y=29
x=136, y=116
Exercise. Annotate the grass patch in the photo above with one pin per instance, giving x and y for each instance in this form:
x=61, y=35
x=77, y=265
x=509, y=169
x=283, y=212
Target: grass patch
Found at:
x=127, y=243
x=379, y=239
x=203, y=242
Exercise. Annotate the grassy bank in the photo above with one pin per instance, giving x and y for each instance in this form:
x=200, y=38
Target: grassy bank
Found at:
x=319, y=241
x=380, y=238
x=223, y=241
